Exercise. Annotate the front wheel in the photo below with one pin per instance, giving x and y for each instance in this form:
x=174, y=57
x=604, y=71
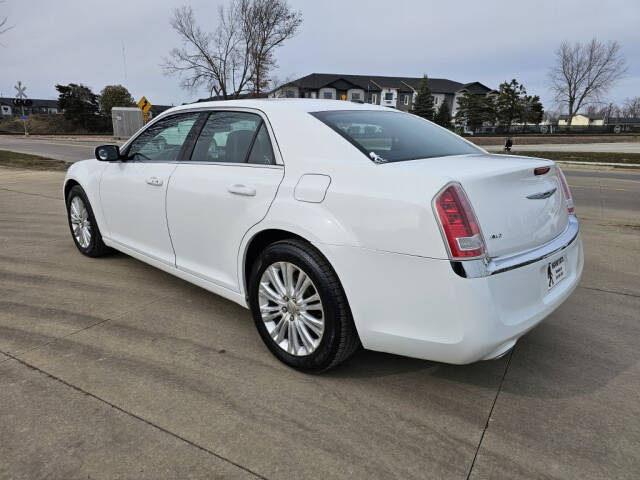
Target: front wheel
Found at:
x=82, y=223
x=299, y=307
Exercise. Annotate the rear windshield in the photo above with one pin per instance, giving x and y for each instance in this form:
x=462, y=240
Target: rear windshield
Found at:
x=394, y=136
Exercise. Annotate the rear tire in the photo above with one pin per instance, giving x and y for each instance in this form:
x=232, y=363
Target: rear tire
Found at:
x=322, y=328
x=82, y=223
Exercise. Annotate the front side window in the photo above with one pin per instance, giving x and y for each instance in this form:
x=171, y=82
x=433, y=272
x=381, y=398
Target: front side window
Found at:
x=328, y=95
x=394, y=136
x=355, y=96
x=163, y=140
x=233, y=137
x=290, y=94
x=388, y=96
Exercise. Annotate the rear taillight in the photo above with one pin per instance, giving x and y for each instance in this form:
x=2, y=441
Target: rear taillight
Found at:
x=565, y=190
x=459, y=223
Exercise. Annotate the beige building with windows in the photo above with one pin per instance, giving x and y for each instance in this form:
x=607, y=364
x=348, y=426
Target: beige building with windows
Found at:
x=580, y=120
x=395, y=92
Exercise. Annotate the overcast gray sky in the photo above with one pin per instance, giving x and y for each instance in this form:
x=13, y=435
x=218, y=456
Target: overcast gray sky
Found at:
x=81, y=41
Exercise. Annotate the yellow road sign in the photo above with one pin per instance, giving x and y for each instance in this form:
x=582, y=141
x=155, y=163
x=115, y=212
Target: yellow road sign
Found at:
x=144, y=105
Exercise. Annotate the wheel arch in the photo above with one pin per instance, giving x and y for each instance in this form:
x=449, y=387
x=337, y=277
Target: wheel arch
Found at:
x=257, y=243
x=87, y=174
x=68, y=185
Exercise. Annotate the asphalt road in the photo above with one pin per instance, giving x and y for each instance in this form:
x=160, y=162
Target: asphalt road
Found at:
x=611, y=196
x=110, y=368
x=67, y=149
x=621, y=147
x=74, y=149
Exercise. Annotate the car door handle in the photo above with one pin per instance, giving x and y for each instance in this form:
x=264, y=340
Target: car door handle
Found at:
x=155, y=181
x=242, y=190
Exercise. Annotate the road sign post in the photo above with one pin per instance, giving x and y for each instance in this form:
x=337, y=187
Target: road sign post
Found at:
x=21, y=99
x=145, y=106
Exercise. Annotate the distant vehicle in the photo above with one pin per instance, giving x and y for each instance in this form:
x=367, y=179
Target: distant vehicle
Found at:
x=338, y=224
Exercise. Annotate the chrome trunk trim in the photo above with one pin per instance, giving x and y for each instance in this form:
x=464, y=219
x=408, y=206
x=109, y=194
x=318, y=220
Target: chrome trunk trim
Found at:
x=486, y=267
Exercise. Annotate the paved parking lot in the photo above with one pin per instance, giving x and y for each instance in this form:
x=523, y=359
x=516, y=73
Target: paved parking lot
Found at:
x=110, y=368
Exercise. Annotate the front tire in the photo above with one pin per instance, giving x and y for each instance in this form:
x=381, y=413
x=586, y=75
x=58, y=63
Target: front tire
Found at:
x=82, y=223
x=299, y=307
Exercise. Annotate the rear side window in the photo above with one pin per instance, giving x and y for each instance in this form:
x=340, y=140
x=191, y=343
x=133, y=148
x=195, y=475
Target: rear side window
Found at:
x=233, y=137
x=394, y=136
x=261, y=152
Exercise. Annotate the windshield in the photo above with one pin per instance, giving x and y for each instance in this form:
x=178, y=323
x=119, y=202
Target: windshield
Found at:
x=394, y=136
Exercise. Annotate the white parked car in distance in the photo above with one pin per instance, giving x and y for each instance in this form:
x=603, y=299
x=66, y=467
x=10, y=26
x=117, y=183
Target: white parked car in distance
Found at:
x=338, y=224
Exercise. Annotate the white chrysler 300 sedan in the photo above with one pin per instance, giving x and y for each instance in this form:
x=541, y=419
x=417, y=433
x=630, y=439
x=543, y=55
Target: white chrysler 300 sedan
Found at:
x=338, y=224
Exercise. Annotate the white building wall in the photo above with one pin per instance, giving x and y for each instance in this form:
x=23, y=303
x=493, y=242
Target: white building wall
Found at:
x=291, y=92
x=282, y=92
x=454, y=110
x=357, y=91
x=329, y=90
x=393, y=101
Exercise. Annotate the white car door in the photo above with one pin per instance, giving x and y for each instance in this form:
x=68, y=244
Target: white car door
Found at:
x=217, y=195
x=133, y=191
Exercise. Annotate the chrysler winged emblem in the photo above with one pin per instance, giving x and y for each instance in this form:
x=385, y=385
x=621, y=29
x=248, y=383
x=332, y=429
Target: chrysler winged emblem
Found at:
x=542, y=195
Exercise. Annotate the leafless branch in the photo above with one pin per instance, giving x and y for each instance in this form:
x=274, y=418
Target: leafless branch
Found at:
x=631, y=107
x=583, y=73
x=268, y=23
x=237, y=56
x=4, y=27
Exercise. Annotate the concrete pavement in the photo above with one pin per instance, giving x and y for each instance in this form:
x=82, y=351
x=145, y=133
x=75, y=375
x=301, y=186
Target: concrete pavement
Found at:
x=112, y=369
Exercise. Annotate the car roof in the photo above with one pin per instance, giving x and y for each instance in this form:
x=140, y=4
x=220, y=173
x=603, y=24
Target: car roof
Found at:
x=282, y=105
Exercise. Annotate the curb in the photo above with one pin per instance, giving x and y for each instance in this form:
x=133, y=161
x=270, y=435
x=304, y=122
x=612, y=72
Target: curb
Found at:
x=599, y=164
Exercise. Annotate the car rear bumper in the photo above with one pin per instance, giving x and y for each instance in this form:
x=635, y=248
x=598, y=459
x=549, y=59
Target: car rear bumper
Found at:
x=420, y=307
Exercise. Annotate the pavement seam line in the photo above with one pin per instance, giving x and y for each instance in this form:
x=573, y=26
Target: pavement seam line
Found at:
x=611, y=291
x=32, y=194
x=133, y=415
x=113, y=317
x=486, y=425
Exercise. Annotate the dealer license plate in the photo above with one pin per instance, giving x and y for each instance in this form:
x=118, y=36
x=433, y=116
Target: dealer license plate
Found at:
x=556, y=271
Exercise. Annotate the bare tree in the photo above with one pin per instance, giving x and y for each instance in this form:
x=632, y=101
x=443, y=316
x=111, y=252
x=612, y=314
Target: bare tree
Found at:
x=214, y=60
x=275, y=83
x=237, y=56
x=585, y=72
x=632, y=107
x=4, y=27
x=268, y=23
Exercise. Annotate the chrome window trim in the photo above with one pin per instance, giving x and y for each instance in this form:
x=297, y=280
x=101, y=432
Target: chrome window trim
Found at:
x=485, y=268
x=234, y=164
x=220, y=164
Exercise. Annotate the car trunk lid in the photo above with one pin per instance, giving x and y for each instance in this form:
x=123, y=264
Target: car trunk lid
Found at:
x=517, y=209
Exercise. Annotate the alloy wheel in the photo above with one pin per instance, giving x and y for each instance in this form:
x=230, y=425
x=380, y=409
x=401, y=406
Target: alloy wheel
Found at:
x=291, y=308
x=80, y=223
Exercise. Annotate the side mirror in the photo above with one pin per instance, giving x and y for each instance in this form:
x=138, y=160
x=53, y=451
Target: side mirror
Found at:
x=108, y=153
